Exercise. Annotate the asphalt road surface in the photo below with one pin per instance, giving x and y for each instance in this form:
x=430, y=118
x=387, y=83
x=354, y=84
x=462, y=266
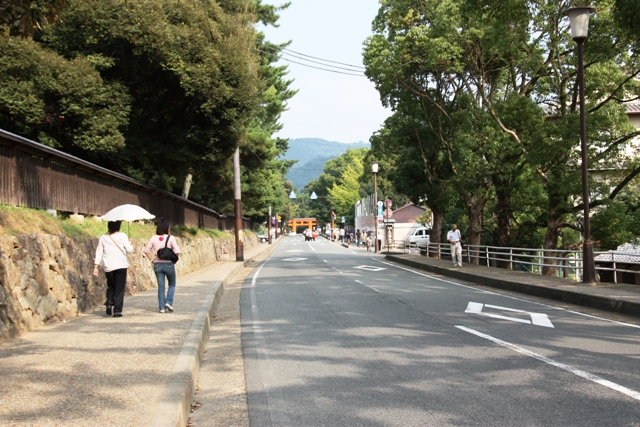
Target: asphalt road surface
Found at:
x=339, y=337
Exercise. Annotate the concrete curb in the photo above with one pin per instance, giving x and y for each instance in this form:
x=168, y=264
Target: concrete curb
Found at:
x=174, y=406
x=616, y=305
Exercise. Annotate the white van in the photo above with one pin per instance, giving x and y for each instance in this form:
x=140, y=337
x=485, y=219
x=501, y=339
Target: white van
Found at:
x=420, y=237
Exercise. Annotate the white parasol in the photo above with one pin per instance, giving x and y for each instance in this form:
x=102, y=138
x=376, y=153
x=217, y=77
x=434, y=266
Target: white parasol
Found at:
x=127, y=213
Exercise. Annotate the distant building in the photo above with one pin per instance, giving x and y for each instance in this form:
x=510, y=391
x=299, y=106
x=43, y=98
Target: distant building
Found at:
x=408, y=213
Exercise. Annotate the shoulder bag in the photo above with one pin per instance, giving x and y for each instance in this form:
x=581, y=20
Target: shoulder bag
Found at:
x=166, y=253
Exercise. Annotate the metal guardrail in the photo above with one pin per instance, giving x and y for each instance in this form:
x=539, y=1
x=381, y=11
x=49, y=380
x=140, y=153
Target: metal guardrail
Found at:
x=568, y=264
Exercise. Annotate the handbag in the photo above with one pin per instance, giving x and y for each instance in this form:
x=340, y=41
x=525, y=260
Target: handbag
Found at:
x=166, y=253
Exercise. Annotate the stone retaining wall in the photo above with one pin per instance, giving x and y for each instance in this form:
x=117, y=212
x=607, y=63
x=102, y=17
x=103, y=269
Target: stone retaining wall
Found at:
x=46, y=278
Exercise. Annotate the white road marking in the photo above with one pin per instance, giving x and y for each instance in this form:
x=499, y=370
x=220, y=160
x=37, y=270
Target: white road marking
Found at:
x=538, y=319
x=294, y=259
x=325, y=260
x=297, y=250
x=358, y=281
x=508, y=296
x=278, y=417
x=369, y=268
x=586, y=375
x=312, y=248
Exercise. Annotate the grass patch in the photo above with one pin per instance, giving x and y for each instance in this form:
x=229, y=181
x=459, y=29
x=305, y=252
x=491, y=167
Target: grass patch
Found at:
x=18, y=220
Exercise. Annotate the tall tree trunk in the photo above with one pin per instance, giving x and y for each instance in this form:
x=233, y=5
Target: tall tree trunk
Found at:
x=551, y=240
x=503, y=212
x=436, y=230
x=475, y=206
x=187, y=185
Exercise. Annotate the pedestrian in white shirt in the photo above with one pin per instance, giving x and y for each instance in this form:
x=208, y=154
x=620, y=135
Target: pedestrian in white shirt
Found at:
x=453, y=237
x=111, y=252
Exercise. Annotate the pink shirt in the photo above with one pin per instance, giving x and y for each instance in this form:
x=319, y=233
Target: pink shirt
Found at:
x=157, y=242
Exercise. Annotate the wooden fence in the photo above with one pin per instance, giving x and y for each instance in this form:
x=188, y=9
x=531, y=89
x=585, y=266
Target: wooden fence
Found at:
x=36, y=176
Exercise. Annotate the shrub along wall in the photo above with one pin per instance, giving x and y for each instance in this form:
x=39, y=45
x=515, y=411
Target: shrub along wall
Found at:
x=47, y=278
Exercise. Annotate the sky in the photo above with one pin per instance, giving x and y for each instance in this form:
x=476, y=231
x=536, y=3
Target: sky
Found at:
x=329, y=105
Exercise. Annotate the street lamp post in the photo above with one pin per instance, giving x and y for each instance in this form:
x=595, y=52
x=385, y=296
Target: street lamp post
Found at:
x=579, y=22
x=374, y=169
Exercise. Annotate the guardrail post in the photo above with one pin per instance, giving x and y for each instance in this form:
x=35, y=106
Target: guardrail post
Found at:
x=510, y=259
x=486, y=249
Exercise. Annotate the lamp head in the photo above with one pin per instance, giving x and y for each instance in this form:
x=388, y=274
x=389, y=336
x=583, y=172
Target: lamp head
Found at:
x=374, y=167
x=579, y=21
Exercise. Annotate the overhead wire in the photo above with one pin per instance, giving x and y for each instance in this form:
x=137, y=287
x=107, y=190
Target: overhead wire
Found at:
x=325, y=60
x=331, y=68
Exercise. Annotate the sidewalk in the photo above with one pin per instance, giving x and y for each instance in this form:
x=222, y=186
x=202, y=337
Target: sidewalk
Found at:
x=618, y=298
x=138, y=370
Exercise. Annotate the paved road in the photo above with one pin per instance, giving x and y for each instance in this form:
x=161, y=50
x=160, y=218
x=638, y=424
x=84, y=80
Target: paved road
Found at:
x=336, y=337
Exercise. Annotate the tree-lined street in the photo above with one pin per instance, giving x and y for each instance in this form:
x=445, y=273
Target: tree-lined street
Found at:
x=332, y=337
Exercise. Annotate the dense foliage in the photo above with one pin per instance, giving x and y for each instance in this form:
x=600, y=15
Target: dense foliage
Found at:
x=485, y=129
x=163, y=91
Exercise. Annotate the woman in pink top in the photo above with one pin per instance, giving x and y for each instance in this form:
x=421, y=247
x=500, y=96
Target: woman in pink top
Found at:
x=163, y=268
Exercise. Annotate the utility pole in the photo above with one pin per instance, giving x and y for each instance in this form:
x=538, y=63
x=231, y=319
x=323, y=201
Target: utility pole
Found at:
x=237, y=204
x=269, y=225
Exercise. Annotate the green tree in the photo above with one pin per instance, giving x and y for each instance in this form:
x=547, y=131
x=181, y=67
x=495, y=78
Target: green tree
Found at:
x=64, y=103
x=333, y=179
x=26, y=17
x=509, y=94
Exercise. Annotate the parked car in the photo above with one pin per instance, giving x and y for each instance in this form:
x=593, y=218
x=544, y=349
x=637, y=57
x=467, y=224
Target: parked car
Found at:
x=420, y=237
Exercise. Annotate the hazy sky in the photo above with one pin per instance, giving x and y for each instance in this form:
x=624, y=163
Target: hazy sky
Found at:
x=328, y=105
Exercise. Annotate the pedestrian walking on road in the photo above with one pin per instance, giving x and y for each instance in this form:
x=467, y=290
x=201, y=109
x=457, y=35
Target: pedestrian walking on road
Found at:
x=358, y=238
x=454, y=238
x=342, y=235
x=164, y=269
x=111, y=252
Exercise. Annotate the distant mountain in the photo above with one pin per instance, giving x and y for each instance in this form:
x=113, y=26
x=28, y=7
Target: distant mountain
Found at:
x=312, y=154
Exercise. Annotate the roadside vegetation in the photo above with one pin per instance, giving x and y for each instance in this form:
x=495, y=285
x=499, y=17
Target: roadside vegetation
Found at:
x=17, y=220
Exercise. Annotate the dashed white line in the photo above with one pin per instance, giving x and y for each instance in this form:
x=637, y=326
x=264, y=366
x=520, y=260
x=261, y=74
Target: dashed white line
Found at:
x=586, y=375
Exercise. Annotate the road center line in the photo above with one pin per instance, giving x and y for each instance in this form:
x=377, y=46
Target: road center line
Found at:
x=586, y=375
x=509, y=296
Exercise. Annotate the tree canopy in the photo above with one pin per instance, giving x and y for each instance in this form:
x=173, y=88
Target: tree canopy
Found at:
x=485, y=118
x=163, y=91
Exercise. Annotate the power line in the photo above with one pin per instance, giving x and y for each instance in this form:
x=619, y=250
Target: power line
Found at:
x=318, y=68
x=322, y=63
x=325, y=60
x=354, y=69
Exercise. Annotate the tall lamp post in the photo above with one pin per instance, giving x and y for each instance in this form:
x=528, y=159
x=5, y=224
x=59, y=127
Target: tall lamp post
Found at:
x=374, y=169
x=579, y=22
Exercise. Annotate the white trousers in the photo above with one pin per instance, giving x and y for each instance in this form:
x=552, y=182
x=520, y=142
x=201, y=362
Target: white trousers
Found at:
x=456, y=254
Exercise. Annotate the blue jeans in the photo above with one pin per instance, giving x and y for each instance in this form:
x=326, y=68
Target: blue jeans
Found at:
x=165, y=269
